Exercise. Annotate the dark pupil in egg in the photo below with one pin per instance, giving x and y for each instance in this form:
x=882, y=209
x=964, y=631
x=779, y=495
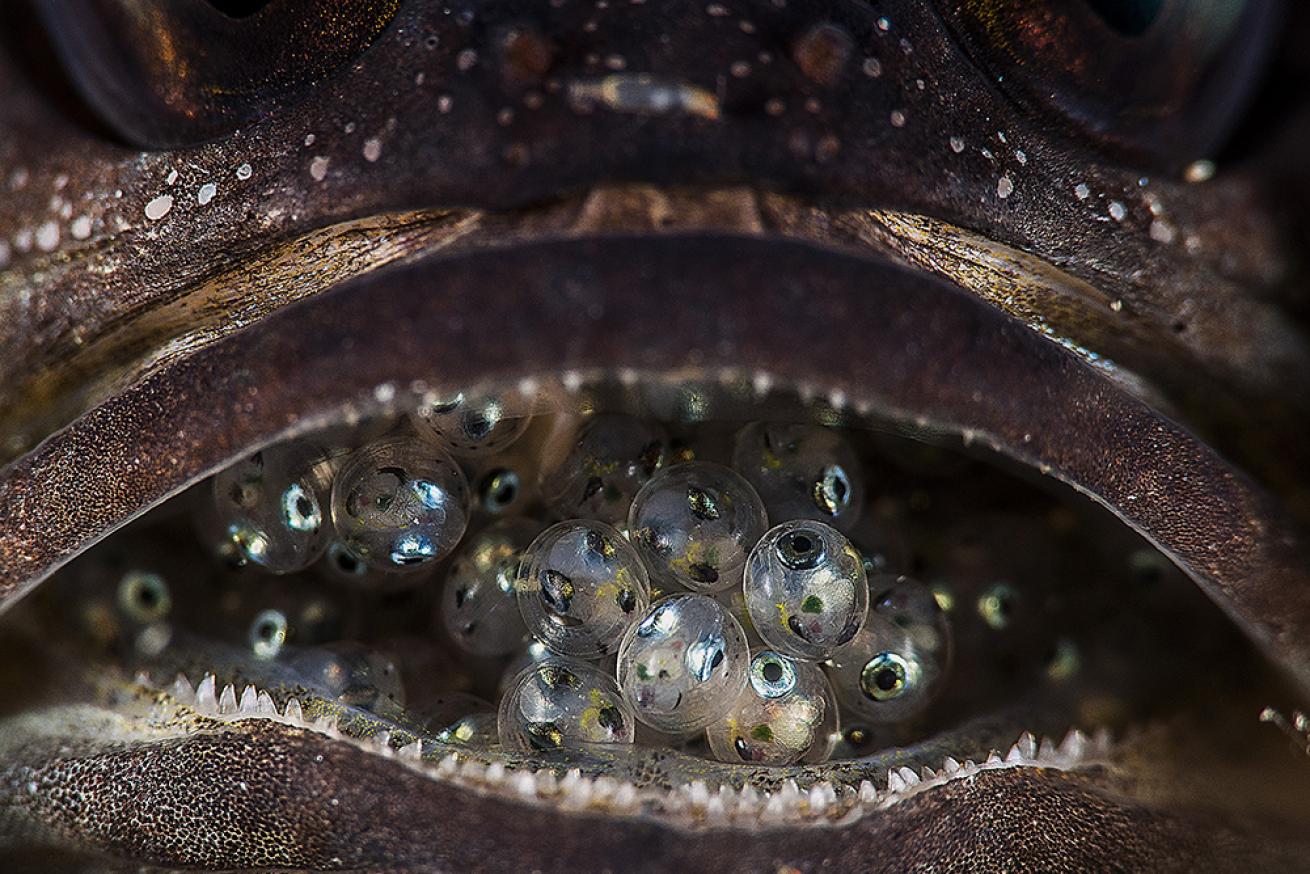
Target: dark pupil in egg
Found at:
x=1128, y=17
x=773, y=672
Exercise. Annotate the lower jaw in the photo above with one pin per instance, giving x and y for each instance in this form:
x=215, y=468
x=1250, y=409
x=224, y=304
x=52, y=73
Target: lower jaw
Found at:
x=881, y=344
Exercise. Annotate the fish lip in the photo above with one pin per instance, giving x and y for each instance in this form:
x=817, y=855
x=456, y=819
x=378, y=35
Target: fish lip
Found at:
x=864, y=332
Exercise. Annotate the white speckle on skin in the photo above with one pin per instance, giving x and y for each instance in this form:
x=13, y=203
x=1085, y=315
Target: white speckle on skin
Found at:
x=1000, y=135
x=47, y=236
x=444, y=103
x=23, y=240
x=372, y=149
x=384, y=393
x=309, y=140
x=466, y=60
x=1199, y=171
x=60, y=181
x=987, y=153
x=418, y=78
x=1162, y=232
x=898, y=118
x=206, y=193
x=350, y=127
x=1021, y=156
x=884, y=25
x=1081, y=191
x=159, y=207
x=1117, y=211
x=172, y=177
x=957, y=145
x=318, y=168
x=872, y=68
x=245, y=171
x=1004, y=187
x=1117, y=305
x=81, y=227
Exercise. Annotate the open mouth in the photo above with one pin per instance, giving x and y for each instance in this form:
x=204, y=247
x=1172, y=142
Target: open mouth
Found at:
x=465, y=598
x=499, y=437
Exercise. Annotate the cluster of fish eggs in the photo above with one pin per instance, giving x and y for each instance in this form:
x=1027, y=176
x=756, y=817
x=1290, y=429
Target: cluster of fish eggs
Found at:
x=651, y=588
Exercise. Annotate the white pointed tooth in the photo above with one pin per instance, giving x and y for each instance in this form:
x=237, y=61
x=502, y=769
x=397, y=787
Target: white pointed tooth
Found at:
x=895, y=783
x=383, y=742
x=698, y=793
x=970, y=766
x=579, y=794
x=1101, y=742
x=822, y=797
x=572, y=777
x=293, y=711
x=868, y=792
x=1027, y=745
x=495, y=772
x=715, y=810
x=1046, y=750
x=748, y=800
x=604, y=787
x=264, y=705
x=142, y=679
x=1015, y=756
x=473, y=771
x=525, y=785
x=249, y=700
x=547, y=783
x=412, y=750
x=950, y=766
x=790, y=792
x=927, y=773
x=1074, y=746
x=625, y=797
x=227, y=700
x=206, y=699
x=182, y=690
x=993, y=759
x=448, y=765
x=910, y=778
x=775, y=808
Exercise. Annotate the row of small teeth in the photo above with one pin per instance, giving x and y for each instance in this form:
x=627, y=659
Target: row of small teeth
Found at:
x=695, y=804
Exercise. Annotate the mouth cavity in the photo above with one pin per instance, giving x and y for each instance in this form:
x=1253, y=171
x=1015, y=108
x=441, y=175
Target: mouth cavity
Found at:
x=709, y=600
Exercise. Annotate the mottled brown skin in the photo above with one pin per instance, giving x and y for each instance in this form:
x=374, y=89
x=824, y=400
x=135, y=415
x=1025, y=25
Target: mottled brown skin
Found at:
x=724, y=294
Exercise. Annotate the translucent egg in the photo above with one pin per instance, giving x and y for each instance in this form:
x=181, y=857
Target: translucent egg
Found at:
x=478, y=605
x=779, y=718
x=534, y=653
x=694, y=524
x=353, y=674
x=461, y=719
x=802, y=471
x=400, y=503
x=612, y=457
x=684, y=664
x=580, y=586
x=270, y=508
x=895, y=667
x=805, y=589
x=473, y=425
x=563, y=704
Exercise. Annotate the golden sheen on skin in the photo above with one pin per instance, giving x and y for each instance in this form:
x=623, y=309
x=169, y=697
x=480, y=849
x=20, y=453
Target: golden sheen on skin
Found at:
x=857, y=206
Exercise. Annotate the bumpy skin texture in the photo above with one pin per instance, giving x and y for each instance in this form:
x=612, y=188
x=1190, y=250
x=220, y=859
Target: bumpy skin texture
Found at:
x=386, y=818
x=151, y=335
